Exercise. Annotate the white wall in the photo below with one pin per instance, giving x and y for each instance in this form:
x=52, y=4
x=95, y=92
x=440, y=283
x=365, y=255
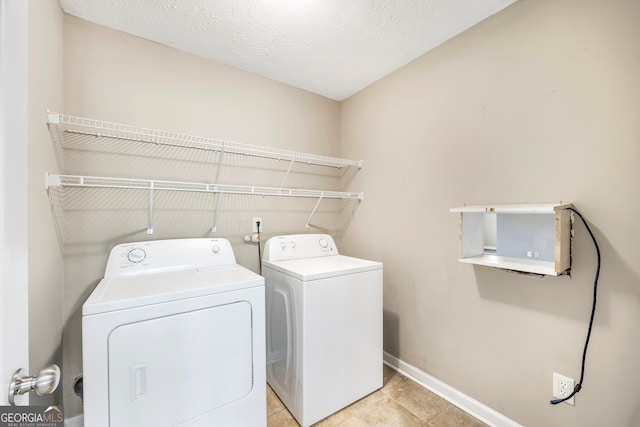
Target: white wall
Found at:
x=44, y=256
x=14, y=287
x=540, y=103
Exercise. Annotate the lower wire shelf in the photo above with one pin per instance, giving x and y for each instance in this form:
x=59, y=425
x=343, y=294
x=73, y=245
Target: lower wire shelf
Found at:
x=78, y=181
x=54, y=180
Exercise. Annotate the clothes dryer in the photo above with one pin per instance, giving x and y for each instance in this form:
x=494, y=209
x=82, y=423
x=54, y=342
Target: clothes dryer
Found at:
x=324, y=325
x=174, y=336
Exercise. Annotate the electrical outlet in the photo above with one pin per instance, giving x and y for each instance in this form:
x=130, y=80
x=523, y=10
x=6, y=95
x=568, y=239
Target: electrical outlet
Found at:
x=563, y=387
x=255, y=222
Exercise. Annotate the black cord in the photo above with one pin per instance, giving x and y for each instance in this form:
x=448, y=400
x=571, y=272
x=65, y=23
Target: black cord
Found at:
x=578, y=386
x=259, y=252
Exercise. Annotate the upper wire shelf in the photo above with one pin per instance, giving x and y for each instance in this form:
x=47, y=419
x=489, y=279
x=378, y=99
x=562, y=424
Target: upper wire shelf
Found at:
x=99, y=128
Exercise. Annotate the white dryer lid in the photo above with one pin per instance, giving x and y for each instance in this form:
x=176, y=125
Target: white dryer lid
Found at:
x=118, y=293
x=307, y=269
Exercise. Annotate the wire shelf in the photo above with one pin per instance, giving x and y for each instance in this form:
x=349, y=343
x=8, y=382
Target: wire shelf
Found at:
x=90, y=148
x=61, y=123
x=54, y=180
x=77, y=181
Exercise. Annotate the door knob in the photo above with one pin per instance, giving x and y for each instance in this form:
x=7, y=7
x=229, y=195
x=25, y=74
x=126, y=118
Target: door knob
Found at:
x=46, y=382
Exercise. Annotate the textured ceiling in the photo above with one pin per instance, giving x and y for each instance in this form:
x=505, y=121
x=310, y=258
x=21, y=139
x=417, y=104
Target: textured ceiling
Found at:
x=331, y=47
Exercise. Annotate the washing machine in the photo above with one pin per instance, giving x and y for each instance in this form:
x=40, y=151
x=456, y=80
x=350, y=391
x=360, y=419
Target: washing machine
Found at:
x=324, y=325
x=174, y=335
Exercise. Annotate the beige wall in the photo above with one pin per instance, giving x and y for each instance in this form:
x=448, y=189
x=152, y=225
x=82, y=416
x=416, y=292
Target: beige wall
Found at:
x=117, y=77
x=45, y=258
x=540, y=103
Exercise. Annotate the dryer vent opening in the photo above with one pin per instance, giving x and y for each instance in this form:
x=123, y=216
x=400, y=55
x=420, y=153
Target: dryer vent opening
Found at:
x=77, y=387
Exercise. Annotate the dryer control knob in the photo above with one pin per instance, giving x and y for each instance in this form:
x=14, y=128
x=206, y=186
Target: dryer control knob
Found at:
x=323, y=243
x=136, y=255
x=215, y=249
x=292, y=244
x=283, y=245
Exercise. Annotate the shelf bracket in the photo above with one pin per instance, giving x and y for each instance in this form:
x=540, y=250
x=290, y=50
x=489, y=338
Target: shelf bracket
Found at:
x=220, y=163
x=214, y=226
x=150, y=227
x=286, y=175
x=313, y=212
x=52, y=180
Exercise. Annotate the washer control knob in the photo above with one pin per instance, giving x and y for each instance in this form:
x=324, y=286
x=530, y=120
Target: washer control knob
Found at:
x=283, y=245
x=293, y=245
x=323, y=243
x=215, y=249
x=136, y=255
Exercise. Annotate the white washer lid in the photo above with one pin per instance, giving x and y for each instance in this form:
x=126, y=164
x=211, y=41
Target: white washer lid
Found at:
x=307, y=269
x=118, y=293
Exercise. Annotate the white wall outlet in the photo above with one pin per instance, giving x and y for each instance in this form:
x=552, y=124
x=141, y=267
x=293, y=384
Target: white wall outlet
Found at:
x=563, y=387
x=254, y=223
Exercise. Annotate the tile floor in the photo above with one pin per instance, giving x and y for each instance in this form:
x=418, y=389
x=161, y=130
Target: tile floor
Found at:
x=399, y=403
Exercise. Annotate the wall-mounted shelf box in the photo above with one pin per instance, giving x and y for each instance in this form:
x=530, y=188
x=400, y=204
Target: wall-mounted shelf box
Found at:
x=529, y=238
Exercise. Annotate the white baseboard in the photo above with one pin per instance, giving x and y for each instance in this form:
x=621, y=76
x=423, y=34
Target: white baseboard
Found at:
x=77, y=421
x=480, y=411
